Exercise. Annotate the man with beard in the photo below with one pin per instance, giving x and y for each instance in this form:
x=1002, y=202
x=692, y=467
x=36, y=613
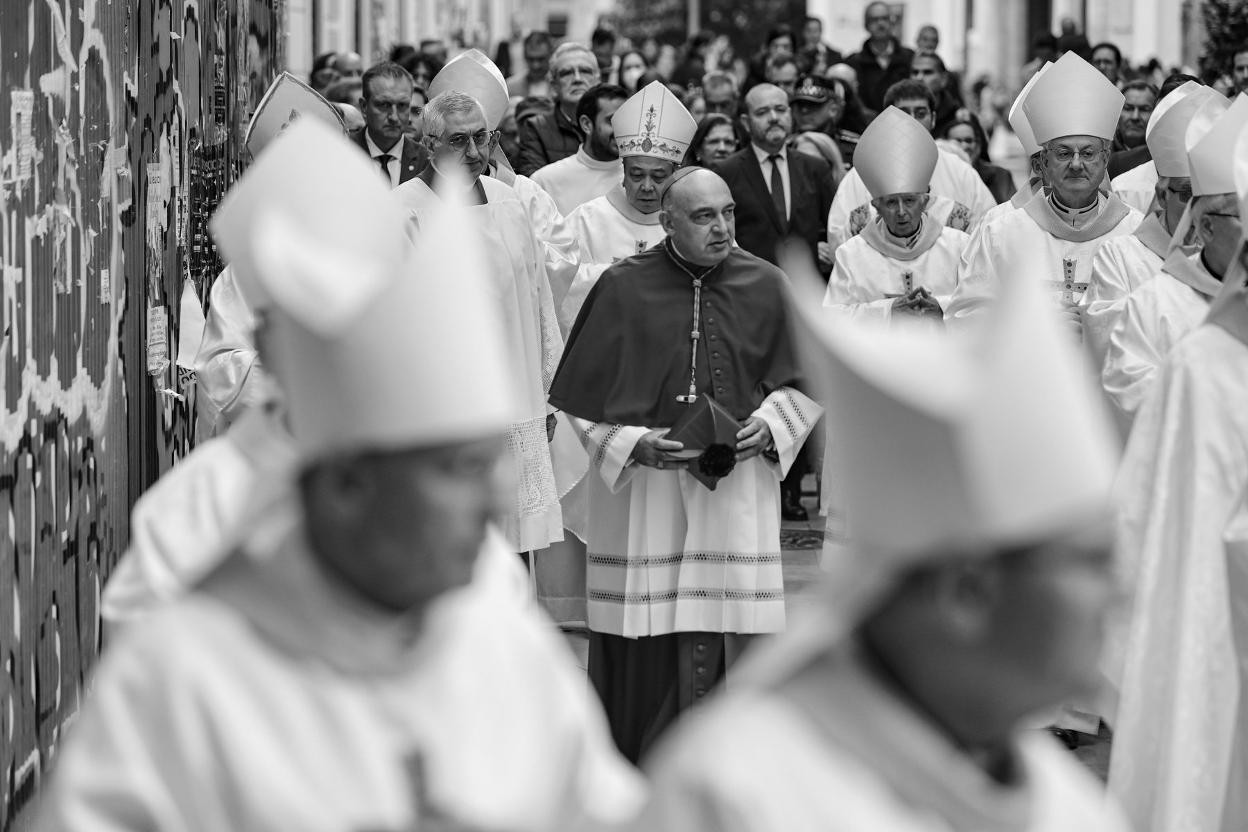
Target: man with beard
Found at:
x=684, y=563
x=596, y=166
x=549, y=137
x=930, y=69
x=1129, y=148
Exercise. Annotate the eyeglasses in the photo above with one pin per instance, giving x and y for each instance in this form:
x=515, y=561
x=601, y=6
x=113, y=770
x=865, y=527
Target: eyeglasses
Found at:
x=459, y=141
x=1065, y=155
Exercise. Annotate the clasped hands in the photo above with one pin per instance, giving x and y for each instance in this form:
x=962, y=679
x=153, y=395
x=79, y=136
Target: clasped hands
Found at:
x=653, y=451
x=918, y=301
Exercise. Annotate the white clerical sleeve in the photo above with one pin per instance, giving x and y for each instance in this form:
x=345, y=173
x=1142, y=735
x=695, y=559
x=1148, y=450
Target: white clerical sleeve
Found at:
x=227, y=369
x=552, y=230
x=610, y=449
x=791, y=416
x=1105, y=298
x=847, y=295
x=977, y=277
x=851, y=195
x=975, y=194
x=1137, y=347
x=586, y=276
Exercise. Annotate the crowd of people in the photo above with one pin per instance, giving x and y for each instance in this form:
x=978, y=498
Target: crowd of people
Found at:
x=502, y=355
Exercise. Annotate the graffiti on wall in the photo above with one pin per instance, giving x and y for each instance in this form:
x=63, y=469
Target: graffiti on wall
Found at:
x=123, y=133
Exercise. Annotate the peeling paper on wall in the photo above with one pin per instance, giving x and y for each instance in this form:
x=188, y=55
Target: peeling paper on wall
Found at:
x=157, y=340
x=190, y=325
x=21, y=115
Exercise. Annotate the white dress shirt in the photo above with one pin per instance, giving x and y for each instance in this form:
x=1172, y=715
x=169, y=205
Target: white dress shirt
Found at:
x=396, y=157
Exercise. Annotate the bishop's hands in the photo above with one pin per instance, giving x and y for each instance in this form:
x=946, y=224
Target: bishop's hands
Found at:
x=653, y=451
x=919, y=302
x=753, y=439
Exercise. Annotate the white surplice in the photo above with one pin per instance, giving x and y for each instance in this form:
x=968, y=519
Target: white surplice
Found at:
x=1155, y=317
x=997, y=250
x=834, y=750
x=667, y=554
x=229, y=377
x=1120, y=266
x=953, y=179
x=573, y=181
x=1180, y=753
x=1137, y=187
x=608, y=229
x=517, y=263
x=272, y=698
x=865, y=282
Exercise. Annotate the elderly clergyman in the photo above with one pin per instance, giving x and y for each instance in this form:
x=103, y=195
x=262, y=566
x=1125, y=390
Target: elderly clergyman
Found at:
x=979, y=480
x=653, y=131
x=328, y=674
x=459, y=142
x=684, y=553
x=1073, y=112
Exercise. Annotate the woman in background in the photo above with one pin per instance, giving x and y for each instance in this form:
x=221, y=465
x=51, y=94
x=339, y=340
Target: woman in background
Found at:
x=966, y=132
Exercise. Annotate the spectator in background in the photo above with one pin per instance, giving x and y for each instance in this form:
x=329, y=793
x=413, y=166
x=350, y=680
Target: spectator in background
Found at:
x=721, y=92
x=602, y=44
x=1129, y=148
x=323, y=74
x=883, y=61
x=695, y=102
x=348, y=64
x=1107, y=59
x=966, y=131
x=927, y=41
x=633, y=65
x=386, y=100
x=713, y=142
x=434, y=48
x=816, y=54
x=1043, y=50
x=650, y=49
x=595, y=168
x=422, y=68
x=550, y=137
x=344, y=91
x=509, y=131
x=930, y=69
x=401, y=52
x=781, y=70
x=415, y=124
x=693, y=67
x=1239, y=69
x=1072, y=40
x=535, y=82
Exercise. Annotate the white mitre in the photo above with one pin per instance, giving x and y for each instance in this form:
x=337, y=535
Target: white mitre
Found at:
x=1018, y=119
x=895, y=155
x=286, y=100
x=1073, y=99
x=379, y=343
x=474, y=74
x=1167, y=127
x=654, y=123
x=1229, y=309
x=1212, y=157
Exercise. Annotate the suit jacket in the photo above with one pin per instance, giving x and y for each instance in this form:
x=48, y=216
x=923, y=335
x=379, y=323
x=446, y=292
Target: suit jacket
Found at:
x=759, y=228
x=413, y=160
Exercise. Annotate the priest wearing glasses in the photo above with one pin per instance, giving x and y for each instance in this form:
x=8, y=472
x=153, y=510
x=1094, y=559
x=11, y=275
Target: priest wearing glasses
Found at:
x=681, y=378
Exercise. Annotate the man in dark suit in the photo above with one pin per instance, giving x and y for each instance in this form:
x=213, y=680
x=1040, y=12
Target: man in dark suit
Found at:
x=779, y=194
x=386, y=103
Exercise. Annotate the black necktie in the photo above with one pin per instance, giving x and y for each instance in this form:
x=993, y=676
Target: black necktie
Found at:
x=777, y=188
x=384, y=162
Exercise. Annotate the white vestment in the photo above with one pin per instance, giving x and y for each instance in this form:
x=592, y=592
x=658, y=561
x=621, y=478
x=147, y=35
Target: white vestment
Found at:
x=1155, y=317
x=953, y=179
x=517, y=263
x=573, y=181
x=1137, y=187
x=608, y=229
x=273, y=698
x=1180, y=752
x=998, y=250
x=229, y=378
x=667, y=554
x=1120, y=266
x=184, y=525
x=865, y=282
x=832, y=749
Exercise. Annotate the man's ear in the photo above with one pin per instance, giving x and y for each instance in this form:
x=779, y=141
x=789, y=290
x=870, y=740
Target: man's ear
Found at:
x=586, y=124
x=665, y=220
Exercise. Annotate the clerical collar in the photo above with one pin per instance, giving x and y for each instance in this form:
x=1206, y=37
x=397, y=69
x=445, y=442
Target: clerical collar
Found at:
x=476, y=194
x=1075, y=217
x=906, y=242
x=695, y=271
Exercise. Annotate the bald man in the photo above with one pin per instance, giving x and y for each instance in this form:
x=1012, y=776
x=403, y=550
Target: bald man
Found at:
x=684, y=547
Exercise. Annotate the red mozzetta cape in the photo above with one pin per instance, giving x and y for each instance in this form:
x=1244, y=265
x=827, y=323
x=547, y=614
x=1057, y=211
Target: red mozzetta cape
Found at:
x=627, y=357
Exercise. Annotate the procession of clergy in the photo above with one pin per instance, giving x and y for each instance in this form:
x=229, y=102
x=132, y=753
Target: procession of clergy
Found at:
x=1035, y=433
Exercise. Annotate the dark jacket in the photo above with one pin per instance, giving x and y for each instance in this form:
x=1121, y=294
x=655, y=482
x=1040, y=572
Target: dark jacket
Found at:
x=1122, y=159
x=414, y=158
x=873, y=82
x=999, y=181
x=546, y=138
x=759, y=228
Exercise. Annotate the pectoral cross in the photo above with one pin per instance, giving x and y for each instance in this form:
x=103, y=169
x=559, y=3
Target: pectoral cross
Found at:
x=641, y=246
x=907, y=282
x=1067, y=285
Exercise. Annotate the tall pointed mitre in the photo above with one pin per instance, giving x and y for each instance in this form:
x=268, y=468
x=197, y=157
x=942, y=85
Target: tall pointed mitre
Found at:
x=654, y=123
x=1229, y=309
x=472, y=73
x=379, y=343
x=1167, y=127
x=896, y=155
x=1212, y=157
x=286, y=100
x=1018, y=119
x=1073, y=99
